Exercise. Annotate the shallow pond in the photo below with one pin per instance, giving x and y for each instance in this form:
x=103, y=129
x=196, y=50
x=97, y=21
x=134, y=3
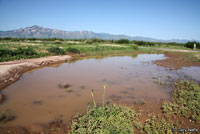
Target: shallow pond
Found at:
x=37, y=98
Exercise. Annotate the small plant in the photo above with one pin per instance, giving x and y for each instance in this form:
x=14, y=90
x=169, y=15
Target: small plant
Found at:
x=92, y=94
x=6, y=116
x=104, y=93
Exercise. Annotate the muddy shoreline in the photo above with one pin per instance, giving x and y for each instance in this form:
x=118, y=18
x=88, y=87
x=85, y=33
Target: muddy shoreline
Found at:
x=11, y=71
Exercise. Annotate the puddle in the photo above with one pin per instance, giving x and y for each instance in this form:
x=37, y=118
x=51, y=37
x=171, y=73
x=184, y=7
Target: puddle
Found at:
x=37, y=98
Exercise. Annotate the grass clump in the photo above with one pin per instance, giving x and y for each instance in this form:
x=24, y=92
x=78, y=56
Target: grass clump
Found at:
x=186, y=101
x=6, y=115
x=56, y=50
x=105, y=119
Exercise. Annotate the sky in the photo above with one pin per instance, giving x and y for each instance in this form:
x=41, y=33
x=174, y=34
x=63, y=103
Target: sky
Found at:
x=161, y=19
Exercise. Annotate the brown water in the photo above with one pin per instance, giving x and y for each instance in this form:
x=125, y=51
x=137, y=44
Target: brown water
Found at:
x=36, y=97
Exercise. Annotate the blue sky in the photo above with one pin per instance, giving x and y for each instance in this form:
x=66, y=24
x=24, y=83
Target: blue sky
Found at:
x=162, y=19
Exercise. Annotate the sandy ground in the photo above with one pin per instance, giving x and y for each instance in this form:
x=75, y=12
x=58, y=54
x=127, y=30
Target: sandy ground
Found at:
x=12, y=70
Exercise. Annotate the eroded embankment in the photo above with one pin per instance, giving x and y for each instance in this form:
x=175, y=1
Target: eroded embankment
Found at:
x=12, y=70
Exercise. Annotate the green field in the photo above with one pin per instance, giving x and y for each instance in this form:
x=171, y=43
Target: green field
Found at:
x=15, y=49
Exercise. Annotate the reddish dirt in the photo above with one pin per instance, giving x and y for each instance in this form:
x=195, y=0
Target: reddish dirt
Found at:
x=151, y=109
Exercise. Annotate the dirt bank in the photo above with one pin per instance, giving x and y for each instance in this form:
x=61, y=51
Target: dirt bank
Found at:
x=12, y=70
x=176, y=60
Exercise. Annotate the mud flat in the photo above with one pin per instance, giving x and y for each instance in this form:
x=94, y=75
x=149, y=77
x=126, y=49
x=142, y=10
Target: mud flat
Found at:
x=12, y=70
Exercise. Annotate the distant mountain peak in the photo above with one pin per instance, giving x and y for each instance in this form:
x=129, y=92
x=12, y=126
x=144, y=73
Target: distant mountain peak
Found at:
x=35, y=26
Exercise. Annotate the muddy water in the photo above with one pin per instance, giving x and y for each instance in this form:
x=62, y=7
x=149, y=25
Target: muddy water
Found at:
x=37, y=99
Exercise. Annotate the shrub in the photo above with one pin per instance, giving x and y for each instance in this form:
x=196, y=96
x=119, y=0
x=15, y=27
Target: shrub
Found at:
x=56, y=50
x=19, y=53
x=24, y=51
x=122, y=41
x=94, y=40
x=73, y=50
x=135, y=47
x=191, y=44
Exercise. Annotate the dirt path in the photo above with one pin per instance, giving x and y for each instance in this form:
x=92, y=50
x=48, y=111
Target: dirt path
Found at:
x=12, y=70
x=173, y=50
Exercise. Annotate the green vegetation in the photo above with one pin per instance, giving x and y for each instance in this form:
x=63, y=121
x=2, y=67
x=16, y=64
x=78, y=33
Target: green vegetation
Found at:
x=15, y=48
x=113, y=119
x=104, y=120
x=19, y=53
x=56, y=50
x=186, y=101
x=110, y=119
x=156, y=126
x=122, y=41
x=94, y=40
x=6, y=116
x=73, y=50
x=191, y=44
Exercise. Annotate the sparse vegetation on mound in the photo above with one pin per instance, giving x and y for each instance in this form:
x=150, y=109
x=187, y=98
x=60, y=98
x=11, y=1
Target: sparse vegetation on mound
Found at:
x=186, y=101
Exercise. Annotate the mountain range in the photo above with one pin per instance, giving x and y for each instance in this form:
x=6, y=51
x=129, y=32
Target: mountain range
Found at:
x=42, y=32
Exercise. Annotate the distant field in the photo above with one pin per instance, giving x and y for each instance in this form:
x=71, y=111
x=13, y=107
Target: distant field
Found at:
x=15, y=49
